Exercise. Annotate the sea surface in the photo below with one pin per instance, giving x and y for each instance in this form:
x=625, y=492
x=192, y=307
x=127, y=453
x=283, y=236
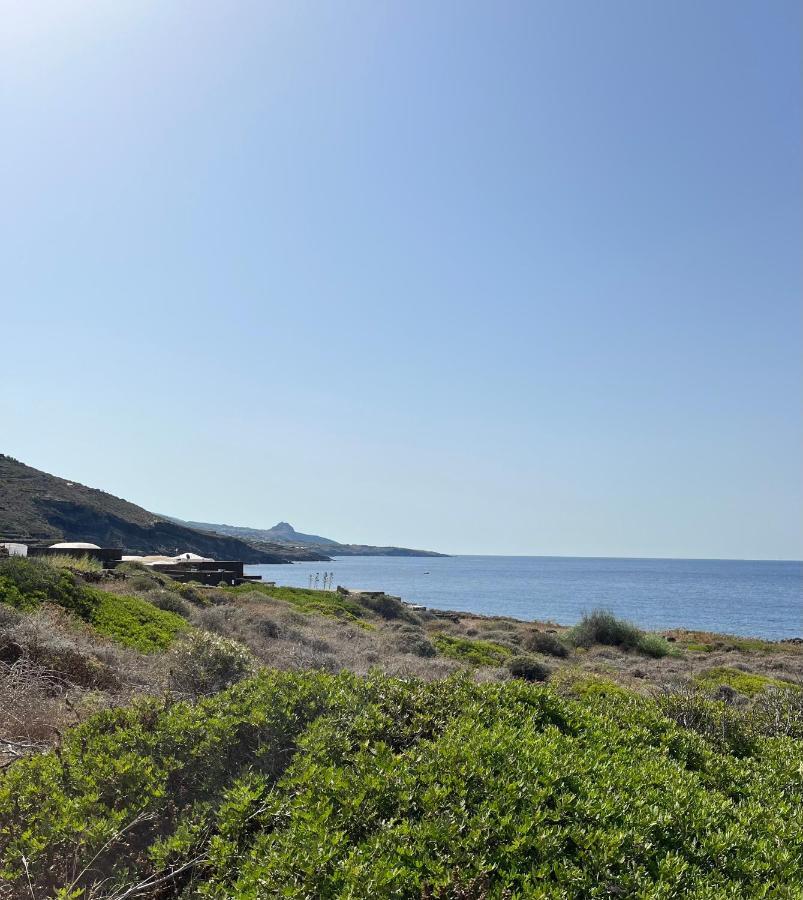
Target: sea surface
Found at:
x=762, y=599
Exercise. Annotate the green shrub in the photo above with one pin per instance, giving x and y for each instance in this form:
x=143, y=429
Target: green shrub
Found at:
x=143, y=583
x=656, y=646
x=28, y=582
x=134, y=622
x=602, y=627
x=326, y=603
x=309, y=785
x=588, y=685
x=746, y=683
x=527, y=668
x=542, y=642
x=189, y=590
x=203, y=663
x=474, y=652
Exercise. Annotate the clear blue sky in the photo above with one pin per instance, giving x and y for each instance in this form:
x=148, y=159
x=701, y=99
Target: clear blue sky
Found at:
x=502, y=277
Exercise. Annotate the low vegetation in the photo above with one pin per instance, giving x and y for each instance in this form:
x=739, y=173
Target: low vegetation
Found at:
x=475, y=652
x=544, y=642
x=747, y=683
x=327, y=603
x=134, y=623
x=203, y=663
x=82, y=564
x=174, y=741
x=528, y=668
x=27, y=584
x=602, y=627
x=312, y=785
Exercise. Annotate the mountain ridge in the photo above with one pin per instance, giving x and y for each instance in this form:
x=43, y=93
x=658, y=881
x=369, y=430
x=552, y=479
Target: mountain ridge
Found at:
x=37, y=507
x=284, y=534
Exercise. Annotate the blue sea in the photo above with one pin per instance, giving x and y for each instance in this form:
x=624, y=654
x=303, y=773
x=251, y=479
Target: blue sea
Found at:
x=761, y=599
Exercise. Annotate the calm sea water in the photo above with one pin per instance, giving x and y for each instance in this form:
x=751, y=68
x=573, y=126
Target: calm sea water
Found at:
x=763, y=599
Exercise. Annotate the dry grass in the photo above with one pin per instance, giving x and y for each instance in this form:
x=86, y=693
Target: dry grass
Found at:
x=55, y=672
x=80, y=564
x=284, y=638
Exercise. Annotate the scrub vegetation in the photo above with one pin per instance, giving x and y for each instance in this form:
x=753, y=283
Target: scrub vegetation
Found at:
x=28, y=584
x=475, y=652
x=602, y=627
x=174, y=741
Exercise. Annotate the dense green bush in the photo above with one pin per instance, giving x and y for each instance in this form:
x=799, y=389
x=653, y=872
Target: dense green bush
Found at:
x=317, y=786
x=655, y=646
x=135, y=623
x=189, y=590
x=528, y=668
x=475, y=652
x=542, y=642
x=27, y=583
x=602, y=627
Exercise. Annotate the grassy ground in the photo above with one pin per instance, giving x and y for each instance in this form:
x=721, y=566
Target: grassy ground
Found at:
x=422, y=742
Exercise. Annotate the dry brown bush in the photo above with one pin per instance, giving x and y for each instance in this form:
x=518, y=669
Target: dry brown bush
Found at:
x=409, y=639
x=54, y=672
x=543, y=642
x=32, y=708
x=418, y=667
x=170, y=602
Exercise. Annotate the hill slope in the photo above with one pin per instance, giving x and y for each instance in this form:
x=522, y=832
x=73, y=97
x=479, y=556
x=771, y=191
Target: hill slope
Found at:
x=36, y=506
x=283, y=534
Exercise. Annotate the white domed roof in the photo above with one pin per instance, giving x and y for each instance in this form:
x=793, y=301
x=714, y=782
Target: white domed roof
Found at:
x=74, y=545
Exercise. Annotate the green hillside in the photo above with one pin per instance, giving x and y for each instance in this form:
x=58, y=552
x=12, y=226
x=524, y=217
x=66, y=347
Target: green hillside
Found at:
x=37, y=506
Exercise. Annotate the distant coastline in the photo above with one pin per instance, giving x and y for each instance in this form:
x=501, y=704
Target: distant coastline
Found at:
x=751, y=598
